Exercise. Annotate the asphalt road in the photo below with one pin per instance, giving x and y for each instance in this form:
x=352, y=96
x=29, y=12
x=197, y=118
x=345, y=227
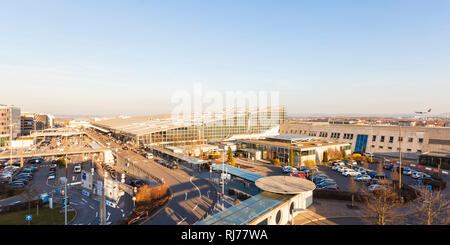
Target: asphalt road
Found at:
x=192, y=198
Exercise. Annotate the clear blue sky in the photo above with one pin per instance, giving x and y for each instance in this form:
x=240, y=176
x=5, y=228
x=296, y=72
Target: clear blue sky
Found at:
x=127, y=57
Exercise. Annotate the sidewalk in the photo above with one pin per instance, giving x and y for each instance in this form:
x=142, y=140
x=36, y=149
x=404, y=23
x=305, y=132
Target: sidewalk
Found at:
x=334, y=212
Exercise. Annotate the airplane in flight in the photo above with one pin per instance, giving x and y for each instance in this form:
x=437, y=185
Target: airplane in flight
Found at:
x=423, y=112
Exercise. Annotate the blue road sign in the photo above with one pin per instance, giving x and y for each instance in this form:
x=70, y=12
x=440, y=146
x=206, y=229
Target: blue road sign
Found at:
x=83, y=176
x=86, y=193
x=28, y=217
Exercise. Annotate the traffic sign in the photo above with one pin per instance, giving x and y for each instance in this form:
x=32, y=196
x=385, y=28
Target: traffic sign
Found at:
x=86, y=193
x=28, y=217
x=83, y=176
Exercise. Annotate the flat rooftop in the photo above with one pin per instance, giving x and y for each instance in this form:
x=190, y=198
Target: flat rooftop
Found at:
x=246, y=211
x=303, y=145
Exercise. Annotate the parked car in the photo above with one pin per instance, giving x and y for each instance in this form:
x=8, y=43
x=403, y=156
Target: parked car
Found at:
x=388, y=167
x=23, y=179
x=326, y=183
x=373, y=181
x=329, y=188
x=318, y=182
x=298, y=174
x=334, y=167
x=380, y=176
x=136, y=183
x=418, y=175
x=363, y=178
x=17, y=184
x=351, y=172
x=372, y=173
x=408, y=172
x=32, y=168
x=77, y=169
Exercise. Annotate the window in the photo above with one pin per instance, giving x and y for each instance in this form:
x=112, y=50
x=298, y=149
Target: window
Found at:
x=390, y=147
x=400, y=139
x=420, y=140
x=381, y=147
x=391, y=139
x=408, y=150
x=373, y=146
x=374, y=138
x=410, y=140
x=419, y=151
x=382, y=139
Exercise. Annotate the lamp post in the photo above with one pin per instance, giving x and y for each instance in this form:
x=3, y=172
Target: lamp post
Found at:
x=400, y=154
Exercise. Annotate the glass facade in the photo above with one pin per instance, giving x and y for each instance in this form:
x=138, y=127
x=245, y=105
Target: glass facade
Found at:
x=215, y=130
x=435, y=161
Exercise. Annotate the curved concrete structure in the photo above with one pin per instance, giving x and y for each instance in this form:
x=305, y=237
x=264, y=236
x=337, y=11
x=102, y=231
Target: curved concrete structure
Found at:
x=285, y=184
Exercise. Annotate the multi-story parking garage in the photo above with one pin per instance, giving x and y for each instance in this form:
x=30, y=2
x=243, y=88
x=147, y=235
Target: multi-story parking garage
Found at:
x=208, y=127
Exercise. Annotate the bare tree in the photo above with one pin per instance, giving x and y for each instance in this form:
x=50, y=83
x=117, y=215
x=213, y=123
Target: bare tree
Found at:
x=382, y=203
x=353, y=188
x=432, y=207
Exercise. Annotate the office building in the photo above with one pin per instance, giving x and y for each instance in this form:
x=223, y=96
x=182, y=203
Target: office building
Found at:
x=9, y=124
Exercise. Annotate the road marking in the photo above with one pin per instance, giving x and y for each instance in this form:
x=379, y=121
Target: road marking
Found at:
x=89, y=223
x=109, y=214
x=185, y=196
x=181, y=220
x=96, y=214
x=199, y=193
x=108, y=223
x=91, y=207
x=195, y=207
x=123, y=215
x=82, y=199
x=207, y=193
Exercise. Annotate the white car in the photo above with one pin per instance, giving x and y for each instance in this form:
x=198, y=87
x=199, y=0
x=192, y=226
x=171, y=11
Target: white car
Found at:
x=341, y=170
x=77, y=169
x=335, y=167
x=149, y=156
x=51, y=177
x=350, y=173
x=368, y=154
x=418, y=175
x=286, y=169
x=363, y=178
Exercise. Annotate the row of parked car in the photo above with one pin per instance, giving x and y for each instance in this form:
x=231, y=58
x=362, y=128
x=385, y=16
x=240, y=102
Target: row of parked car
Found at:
x=109, y=169
x=24, y=176
x=407, y=171
x=324, y=182
x=167, y=164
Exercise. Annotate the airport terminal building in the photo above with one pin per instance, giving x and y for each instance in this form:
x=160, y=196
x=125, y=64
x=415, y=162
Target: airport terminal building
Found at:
x=165, y=130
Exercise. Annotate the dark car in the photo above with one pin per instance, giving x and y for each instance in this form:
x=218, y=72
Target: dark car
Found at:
x=326, y=183
x=329, y=188
x=17, y=184
x=388, y=167
x=136, y=183
x=24, y=179
x=380, y=176
x=372, y=174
